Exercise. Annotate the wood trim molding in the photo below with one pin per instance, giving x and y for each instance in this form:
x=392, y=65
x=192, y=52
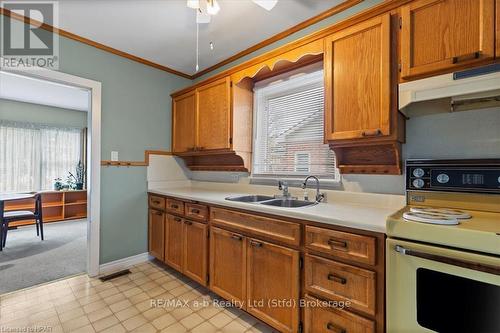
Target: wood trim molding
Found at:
x=147, y=153
x=92, y=43
x=302, y=25
x=369, y=13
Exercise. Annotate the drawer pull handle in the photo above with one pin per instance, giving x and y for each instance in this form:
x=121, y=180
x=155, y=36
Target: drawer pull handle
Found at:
x=195, y=211
x=237, y=237
x=188, y=222
x=174, y=206
x=256, y=244
x=337, y=243
x=474, y=55
x=371, y=133
x=159, y=213
x=177, y=219
x=339, y=279
x=335, y=328
x=156, y=202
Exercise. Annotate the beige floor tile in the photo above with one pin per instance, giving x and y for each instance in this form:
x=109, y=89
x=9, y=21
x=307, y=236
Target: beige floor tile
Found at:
x=205, y=327
x=179, y=291
x=114, y=298
x=153, y=313
x=38, y=316
x=127, y=313
x=84, y=329
x=149, y=286
x=49, y=322
x=144, y=305
x=171, y=285
x=75, y=323
x=234, y=327
x=209, y=311
x=115, y=329
x=109, y=292
x=85, y=300
x=61, y=308
x=163, y=321
x=192, y=321
x=99, y=314
x=132, y=291
x=220, y=320
x=155, y=292
x=97, y=305
x=126, y=286
x=105, y=323
x=134, y=322
x=181, y=312
x=175, y=328
x=71, y=314
x=139, y=298
x=121, y=305
x=147, y=328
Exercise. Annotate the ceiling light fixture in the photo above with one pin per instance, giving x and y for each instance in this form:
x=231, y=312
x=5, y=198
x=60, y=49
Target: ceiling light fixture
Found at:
x=266, y=4
x=195, y=4
x=212, y=7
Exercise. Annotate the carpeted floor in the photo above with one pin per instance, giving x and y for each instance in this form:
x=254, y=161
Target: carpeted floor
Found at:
x=27, y=261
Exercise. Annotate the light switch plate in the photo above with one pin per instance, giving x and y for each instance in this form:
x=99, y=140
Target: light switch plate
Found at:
x=114, y=156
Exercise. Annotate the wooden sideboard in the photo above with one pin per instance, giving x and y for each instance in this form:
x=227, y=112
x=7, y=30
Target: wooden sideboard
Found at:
x=247, y=257
x=56, y=206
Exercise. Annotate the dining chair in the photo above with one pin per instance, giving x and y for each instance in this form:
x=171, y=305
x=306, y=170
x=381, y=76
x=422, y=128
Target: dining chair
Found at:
x=20, y=215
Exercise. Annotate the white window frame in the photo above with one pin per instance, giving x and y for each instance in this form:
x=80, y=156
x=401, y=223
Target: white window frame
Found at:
x=274, y=88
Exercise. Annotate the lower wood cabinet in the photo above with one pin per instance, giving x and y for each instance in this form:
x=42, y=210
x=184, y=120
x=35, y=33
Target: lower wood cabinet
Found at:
x=228, y=253
x=195, y=251
x=273, y=284
x=174, y=241
x=156, y=233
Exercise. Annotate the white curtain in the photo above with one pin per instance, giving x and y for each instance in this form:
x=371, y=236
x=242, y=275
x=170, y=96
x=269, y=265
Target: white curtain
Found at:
x=32, y=155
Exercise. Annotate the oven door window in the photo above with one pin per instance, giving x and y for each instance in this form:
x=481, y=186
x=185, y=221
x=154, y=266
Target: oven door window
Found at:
x=449, y=303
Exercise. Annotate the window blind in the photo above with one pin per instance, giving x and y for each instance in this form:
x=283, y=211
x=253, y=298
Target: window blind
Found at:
x=288, y=132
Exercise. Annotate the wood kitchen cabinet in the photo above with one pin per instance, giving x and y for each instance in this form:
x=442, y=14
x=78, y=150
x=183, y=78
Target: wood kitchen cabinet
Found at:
x=184, y=122
x=174, y=241
x=156, y=233
x=195, y=251
x=228, y=253
x=273, y=276
x=214, y=115
x=357, y=81
x=440, y=35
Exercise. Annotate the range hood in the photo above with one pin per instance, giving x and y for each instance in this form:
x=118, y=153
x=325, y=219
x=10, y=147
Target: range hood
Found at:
x=466, y=90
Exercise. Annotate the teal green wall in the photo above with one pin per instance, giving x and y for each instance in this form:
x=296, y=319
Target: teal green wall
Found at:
x=135, y=116
x=299, y=34
x=41, y=114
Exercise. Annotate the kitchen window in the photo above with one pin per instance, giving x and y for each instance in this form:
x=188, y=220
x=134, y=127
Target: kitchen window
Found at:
x=289, y=128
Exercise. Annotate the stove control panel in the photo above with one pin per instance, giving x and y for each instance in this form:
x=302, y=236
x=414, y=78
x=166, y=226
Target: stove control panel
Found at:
x=482, y=176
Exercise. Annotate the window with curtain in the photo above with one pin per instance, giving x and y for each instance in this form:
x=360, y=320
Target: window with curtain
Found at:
x=288, y=129
x=33, y=155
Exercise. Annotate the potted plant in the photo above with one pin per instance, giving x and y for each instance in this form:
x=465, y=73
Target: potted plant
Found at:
x=58, y=184
x=78, y=180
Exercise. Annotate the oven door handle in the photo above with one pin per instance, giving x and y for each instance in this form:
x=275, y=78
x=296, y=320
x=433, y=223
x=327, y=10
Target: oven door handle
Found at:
x=450, y=261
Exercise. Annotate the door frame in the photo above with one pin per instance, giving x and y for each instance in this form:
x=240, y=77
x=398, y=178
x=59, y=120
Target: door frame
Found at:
x=93, y=154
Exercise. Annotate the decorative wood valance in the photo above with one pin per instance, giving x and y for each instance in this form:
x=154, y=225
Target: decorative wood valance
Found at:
x=292, y=59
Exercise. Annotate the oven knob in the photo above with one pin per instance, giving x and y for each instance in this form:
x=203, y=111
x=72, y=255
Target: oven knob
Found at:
x=443, y=178
x=418, y=183
x=418, y=172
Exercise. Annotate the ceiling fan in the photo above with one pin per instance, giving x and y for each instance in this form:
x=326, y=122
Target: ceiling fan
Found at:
x=207, y=8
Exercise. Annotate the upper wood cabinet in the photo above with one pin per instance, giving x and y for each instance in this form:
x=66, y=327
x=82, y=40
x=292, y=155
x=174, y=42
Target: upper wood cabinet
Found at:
x=156, y=233
x=358, y=81
x=184, y=123
x=439, y=35
x=214, y=115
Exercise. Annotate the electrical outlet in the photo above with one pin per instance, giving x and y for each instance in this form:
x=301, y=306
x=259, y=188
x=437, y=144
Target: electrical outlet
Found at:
x=114, y=156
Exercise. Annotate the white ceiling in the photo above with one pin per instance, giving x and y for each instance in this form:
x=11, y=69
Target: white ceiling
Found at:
x=30, y=90
x=164, y=31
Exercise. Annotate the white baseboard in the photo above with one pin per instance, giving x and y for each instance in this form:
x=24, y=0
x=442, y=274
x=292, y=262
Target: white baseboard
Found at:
x=120, y=264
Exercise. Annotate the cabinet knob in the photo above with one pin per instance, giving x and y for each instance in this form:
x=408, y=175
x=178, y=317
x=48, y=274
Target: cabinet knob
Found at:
x=156, y=202
x=236, y=237
x=159, y=213
x=174, y=206
x=335, y=278
x=195, y=211
x=188, y=222
x=337, y=243
x=256, y=244
x=177, y=219
x=335, y=328
x=471, y=56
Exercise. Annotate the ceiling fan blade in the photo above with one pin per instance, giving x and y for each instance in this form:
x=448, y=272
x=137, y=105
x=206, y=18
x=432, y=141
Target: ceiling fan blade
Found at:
x=266, y=4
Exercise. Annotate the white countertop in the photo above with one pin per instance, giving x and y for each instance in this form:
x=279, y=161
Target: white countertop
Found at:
x=365, y=211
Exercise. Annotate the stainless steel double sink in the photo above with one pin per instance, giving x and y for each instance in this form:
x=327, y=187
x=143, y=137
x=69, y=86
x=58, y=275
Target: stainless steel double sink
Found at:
x=272, y=201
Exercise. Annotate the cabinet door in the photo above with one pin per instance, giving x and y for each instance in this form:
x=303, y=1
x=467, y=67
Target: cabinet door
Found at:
x=214, y=115
x=184, y=123
x=357, y=81
x=437, y=35
x=174, y=242
x=156, y=234
x=272, y=277
x=195, y=251
x=228, y=265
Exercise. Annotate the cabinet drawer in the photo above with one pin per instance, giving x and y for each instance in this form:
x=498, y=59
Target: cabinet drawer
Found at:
x=175, y=206
x=337, y=281
x=282, y=231
x=341, y=244
x=319, y=318
x=197, y=212
x=156, y=202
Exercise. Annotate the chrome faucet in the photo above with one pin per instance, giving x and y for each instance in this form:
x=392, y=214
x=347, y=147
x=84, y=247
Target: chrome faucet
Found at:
x=319, y=196
x=283, y=186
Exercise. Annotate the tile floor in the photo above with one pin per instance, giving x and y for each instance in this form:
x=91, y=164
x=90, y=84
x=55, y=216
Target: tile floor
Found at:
x=151, y=299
